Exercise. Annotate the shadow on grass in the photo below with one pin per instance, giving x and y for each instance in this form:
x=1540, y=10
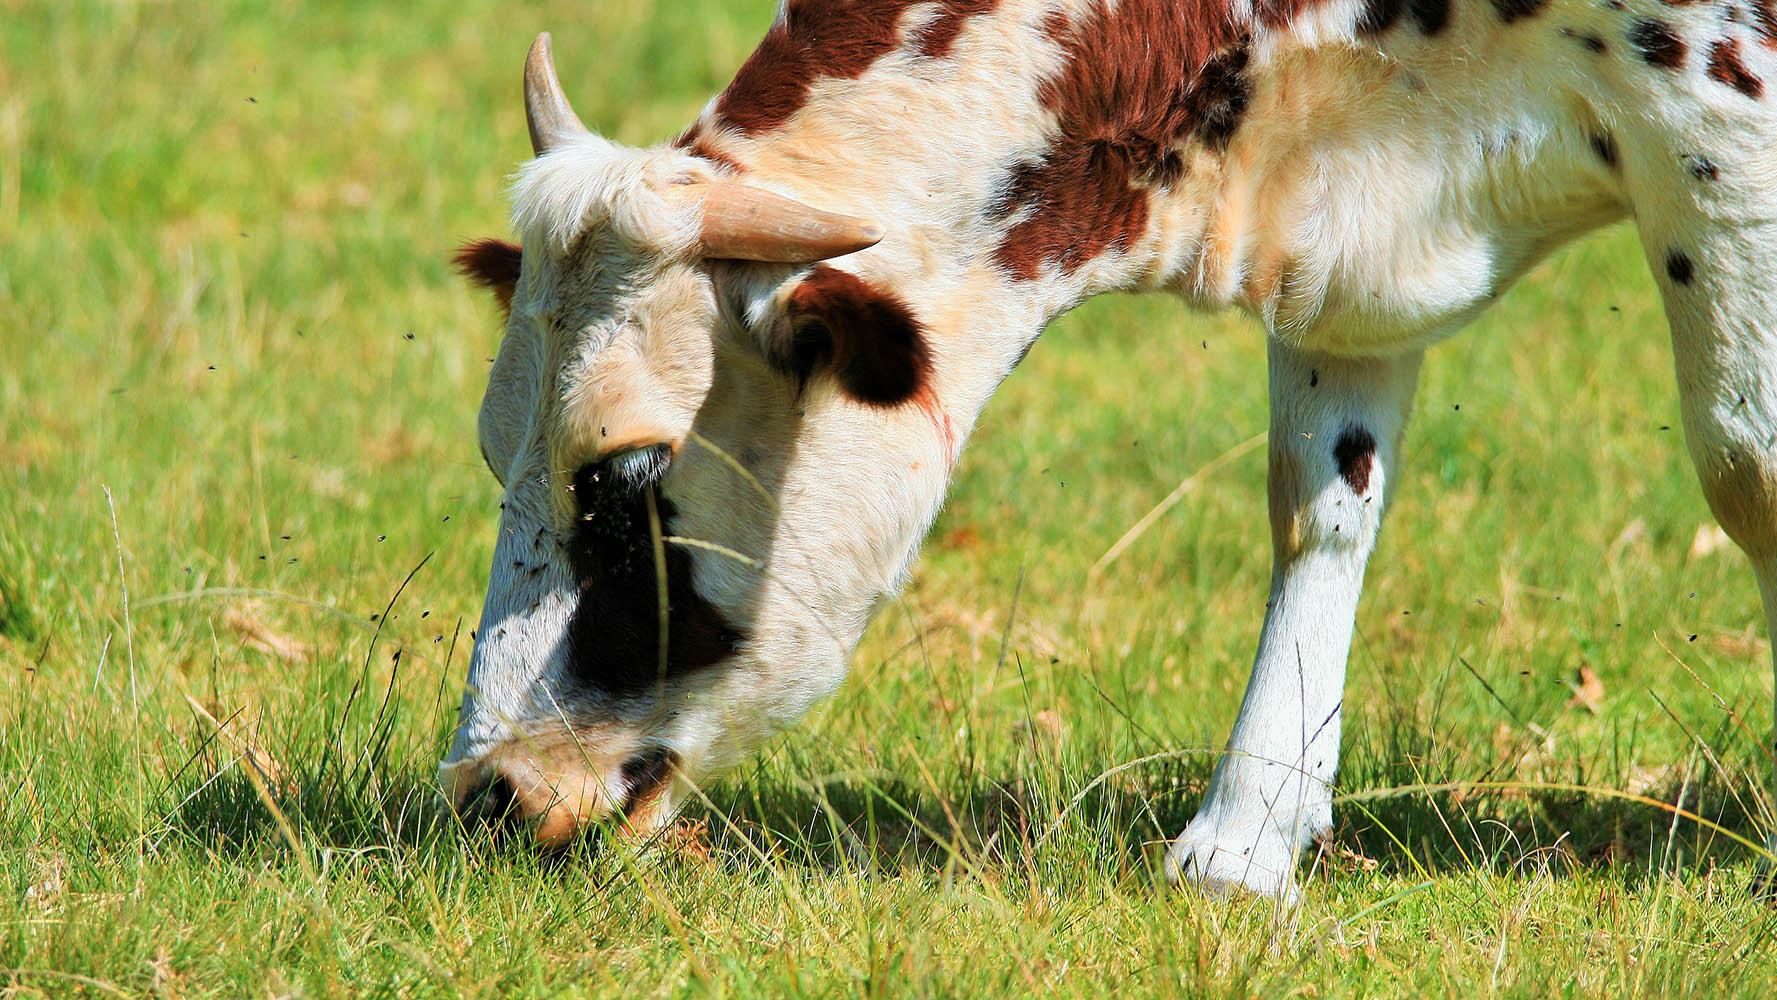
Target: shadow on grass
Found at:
x=1413, y=807
x=1046, y=815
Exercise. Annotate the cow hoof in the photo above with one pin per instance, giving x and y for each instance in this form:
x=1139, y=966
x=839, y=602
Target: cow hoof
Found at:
x=1227, y=862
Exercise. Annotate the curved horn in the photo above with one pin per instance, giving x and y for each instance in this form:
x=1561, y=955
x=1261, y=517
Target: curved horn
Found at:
x=546, y=108
x=748, y=223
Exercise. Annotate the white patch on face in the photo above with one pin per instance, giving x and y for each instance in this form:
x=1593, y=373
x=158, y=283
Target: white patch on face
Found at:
x=519, y=654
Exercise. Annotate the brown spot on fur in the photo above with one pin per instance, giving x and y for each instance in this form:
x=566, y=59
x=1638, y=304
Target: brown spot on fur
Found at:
x=698, y=141
x=1356, y=454
x=1703, y=168
x=823, y=38
x=1725, y=67
x=704, y=149
x=1764, y=15
x=1137, y=83
x=936, y=41
x=866, y=335
x=492, y=264
x=1658, y=44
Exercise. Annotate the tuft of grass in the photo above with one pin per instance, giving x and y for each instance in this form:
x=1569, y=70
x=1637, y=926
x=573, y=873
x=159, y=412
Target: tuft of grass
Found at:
x=224, y=299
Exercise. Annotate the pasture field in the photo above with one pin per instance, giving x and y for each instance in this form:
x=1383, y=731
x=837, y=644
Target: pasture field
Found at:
x=244, y=527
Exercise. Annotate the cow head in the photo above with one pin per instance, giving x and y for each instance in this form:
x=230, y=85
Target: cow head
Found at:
x=715, y=427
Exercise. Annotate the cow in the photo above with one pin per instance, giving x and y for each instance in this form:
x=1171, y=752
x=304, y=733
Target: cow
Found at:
x=738, y=367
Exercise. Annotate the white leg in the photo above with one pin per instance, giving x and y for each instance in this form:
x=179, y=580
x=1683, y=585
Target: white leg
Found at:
x=1711, y=241
x=1336, y=428
x=1719, y=279
x=1728, y=388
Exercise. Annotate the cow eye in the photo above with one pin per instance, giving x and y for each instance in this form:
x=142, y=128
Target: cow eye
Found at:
x=635, y=469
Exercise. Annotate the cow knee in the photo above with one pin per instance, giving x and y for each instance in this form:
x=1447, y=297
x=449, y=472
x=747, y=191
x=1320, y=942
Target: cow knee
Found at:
x=1326, y=492
x=1741, y=486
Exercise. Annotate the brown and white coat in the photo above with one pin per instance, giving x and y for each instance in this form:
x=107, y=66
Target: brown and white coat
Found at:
x=755, y=439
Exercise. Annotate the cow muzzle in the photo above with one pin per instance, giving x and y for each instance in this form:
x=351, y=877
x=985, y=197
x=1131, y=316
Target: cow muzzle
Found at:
x=548, y=795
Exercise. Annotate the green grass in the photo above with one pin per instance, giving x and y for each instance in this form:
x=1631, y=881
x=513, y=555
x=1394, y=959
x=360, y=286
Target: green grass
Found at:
x=237, y=398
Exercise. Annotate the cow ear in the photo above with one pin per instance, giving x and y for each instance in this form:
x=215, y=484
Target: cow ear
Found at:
x=867, y=336
x=492, y=264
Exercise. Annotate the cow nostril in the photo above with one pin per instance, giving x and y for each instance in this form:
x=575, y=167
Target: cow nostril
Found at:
x=494, y=801
x=645, y=774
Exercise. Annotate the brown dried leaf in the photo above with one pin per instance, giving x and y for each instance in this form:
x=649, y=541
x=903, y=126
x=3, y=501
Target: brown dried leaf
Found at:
x=1745, y=645
x=962, y=538
x=47, y=884
x=1644, y=780
x=1046, y=722
x=165, y=979
x=1708, y=540
x=1588, y=690
x=687, y=838
x=241, y=734
x=245, y=620
x=1346, y=859
x=1633, y=533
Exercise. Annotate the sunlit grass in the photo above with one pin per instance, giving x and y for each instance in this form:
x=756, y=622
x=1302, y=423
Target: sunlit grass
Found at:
x=224, y=303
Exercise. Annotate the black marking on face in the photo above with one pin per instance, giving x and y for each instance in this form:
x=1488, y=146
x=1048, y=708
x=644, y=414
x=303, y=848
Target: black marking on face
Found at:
x=614, y=635
x=1356, y=454
x=1658, y=44
x=1702, y=167
x=1679, y=267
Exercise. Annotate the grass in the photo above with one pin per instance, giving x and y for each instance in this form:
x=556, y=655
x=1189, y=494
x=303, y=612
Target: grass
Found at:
x=237, y=397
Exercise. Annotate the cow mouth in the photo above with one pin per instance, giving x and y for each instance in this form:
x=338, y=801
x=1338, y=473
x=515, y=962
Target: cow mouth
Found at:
x=552, y=810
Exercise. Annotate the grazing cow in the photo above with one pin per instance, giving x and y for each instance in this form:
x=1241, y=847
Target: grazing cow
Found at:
x=738, y=368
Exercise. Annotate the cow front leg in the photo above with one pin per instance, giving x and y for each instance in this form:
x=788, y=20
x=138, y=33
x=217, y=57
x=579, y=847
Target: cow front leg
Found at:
x=1336, y=426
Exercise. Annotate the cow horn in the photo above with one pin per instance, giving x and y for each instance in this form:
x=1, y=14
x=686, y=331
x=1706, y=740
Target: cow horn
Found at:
x=748, y=223
x=546, y=108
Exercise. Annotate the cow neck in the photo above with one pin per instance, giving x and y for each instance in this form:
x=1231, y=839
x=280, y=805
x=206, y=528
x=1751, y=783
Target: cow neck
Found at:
x=1021, y=156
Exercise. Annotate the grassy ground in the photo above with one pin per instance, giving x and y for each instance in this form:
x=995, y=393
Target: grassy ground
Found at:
x=237, y=392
